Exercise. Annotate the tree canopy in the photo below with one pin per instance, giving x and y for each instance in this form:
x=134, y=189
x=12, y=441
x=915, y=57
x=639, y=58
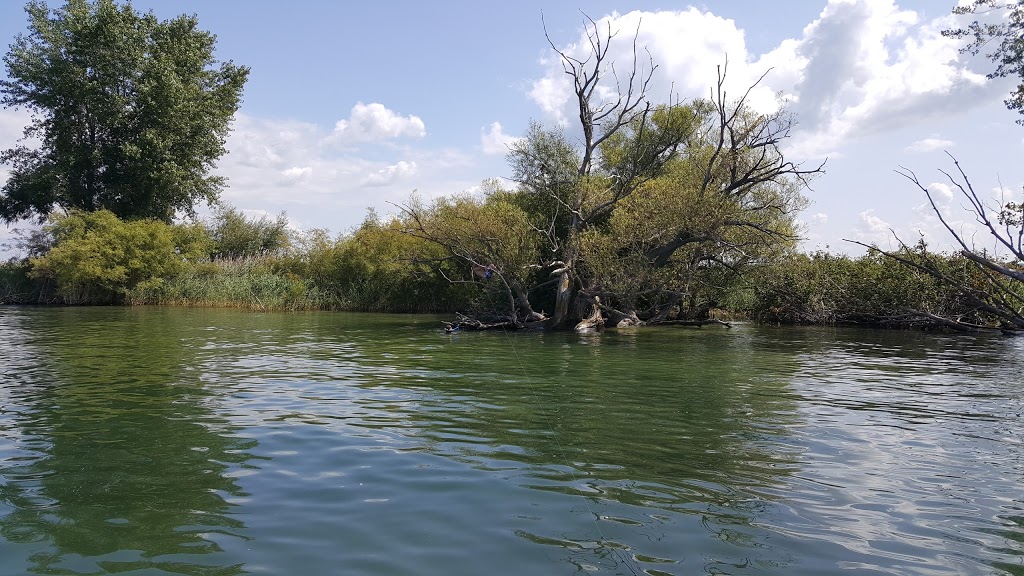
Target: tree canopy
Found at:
x=130, y=112
x=1001, y=29
x=642, y=220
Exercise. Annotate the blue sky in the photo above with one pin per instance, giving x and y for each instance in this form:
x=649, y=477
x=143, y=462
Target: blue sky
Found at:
x=355, y=105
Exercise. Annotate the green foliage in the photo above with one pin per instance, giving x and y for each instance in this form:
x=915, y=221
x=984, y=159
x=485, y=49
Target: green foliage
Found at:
x=643, y=147
x=132, y=112
x=247, y=283
x=192, y=241
x=235, y=235
x=671, y=246
x=16, y=284
x=98, y=258
x=545, y=164
x=378, y=268
x=1002, y=32
x=487, y=240
x=873, y=289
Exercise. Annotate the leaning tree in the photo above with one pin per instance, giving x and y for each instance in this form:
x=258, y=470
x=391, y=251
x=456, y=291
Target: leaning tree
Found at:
x=992, y=285
x=130, y=112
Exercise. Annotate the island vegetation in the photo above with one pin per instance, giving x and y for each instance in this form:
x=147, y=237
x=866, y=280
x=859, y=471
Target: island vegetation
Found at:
x=663, y=212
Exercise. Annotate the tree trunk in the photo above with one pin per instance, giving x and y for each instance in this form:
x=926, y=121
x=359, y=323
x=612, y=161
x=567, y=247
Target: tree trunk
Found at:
x=594, y=321
x=563, y=298
x=523, y=307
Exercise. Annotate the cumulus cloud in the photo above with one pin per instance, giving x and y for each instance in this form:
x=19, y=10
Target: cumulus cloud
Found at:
x=297, y=172
x=494, y=141
x=941, y=189
x=929, y=144
x=373, y=122
x=872, y=68
x=687, y=46
x=873, y=230
x=390, y=174
x=862, y=67
x=276, y=165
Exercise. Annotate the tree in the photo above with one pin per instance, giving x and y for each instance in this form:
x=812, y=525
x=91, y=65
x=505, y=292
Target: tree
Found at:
x=494, y=238
x=1003, y=25
x=236, y=235
x=705, y=181
x=131, y=112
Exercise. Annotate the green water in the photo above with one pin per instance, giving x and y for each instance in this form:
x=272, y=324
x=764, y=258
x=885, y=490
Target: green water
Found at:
x=175, y=441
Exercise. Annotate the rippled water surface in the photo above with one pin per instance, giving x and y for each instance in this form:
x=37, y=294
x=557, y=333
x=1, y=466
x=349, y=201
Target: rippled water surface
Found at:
x=175, y=441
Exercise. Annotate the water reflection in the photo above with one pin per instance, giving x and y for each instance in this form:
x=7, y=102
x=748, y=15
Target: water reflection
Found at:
x=379, y=444
x=609, y=423
x=120, y=463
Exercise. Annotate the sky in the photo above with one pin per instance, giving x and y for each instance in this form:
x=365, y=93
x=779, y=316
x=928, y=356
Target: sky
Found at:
x=353, y=106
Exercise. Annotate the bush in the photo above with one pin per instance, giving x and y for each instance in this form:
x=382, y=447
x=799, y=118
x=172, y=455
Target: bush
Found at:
x=824, y=288
x=377, y=268
x=243, y=283
x=16, y=284
x=97, y=258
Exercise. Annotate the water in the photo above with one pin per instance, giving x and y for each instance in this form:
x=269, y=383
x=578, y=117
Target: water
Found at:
x=213, y=442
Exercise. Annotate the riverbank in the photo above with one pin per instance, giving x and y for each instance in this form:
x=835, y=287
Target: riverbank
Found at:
x=862, y=292
x=236, y=262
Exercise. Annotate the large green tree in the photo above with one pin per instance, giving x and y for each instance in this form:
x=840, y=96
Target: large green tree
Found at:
x=129, y=113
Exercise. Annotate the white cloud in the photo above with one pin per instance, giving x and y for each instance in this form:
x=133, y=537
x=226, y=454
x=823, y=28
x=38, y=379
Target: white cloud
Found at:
x=687, y=47
x=929, y=144
x=297, y=172
x=874, y=68
x=373, y=122
x=873, y=230
x=941, y=189
x=276, y=165
x=494, y=141
x=12, y=126
x=390, y=174
x=819, y=218
x=862, y=67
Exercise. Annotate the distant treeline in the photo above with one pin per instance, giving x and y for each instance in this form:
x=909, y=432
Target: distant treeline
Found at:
x=233, y=260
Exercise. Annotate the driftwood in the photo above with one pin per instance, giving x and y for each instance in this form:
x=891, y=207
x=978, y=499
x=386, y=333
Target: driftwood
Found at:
x=468, y=324
x=593, y=322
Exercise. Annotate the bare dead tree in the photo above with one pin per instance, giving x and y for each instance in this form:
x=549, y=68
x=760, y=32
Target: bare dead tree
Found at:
x=599, y=120
x=997, y=288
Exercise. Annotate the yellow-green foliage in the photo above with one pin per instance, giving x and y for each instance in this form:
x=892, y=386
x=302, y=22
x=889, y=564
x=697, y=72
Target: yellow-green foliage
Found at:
x=245, y=283
x=632, y=256
x=98, y=258
x=492, y=231
x=380, y=268
x=376, y=268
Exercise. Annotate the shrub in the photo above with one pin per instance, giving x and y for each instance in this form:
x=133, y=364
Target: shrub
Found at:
x=97, y=258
